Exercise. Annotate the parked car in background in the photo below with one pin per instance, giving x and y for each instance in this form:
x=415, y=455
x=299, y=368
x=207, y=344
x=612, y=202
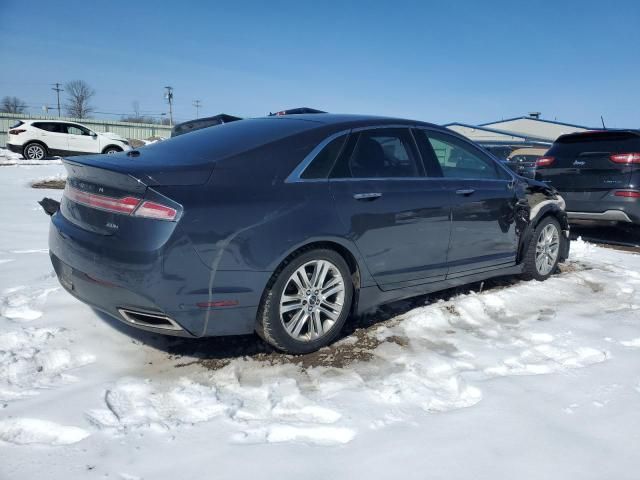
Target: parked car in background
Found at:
x=288, y=225
x=597, y=173
x=296, y=111
x=523, y=160
x=38, y=139
x=199, y=123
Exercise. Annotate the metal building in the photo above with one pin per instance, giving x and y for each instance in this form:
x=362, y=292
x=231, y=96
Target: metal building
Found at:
x=503, y=136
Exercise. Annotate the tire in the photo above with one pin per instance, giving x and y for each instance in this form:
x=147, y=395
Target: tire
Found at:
x=301, y=320
x=112, y=150
x=34, y=151
x=543, y=251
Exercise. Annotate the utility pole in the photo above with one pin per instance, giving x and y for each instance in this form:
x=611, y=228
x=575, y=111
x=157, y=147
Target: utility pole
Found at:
x=57, y=89
x=197, y=104
x=169, y=97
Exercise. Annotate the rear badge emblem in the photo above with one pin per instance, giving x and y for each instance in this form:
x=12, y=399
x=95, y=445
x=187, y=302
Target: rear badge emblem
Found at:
x=111, y=225
x=579, y=163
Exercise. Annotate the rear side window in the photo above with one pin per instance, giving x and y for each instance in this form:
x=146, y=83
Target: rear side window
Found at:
x=51, y=127
x=323, y=162
x=379, y=153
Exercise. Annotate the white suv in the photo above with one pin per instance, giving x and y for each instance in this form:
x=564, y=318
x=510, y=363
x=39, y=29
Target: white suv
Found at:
x=37, y=139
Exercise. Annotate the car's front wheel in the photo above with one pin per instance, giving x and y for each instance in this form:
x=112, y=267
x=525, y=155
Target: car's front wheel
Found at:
x=543, y=253
x=34, y=151
x=112, y=150
x=307, y=302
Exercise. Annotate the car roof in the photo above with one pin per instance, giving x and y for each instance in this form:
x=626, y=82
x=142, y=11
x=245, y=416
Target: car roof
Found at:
x=350, y=120
x=41, y=120
x=610, y=133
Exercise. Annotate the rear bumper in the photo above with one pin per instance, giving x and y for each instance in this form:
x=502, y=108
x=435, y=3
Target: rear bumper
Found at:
x=169, y=282
x=14, y=148
x=601, y=206
x=606, y=216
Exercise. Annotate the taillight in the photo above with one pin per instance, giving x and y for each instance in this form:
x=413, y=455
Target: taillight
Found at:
x=16, y=131
x=625, y=158
x=117, y=205
x=125, y=205
x=627, y=193
x=156, y=210
x=545, y=161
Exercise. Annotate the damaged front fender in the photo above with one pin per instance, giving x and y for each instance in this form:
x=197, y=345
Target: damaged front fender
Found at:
x=536, y=201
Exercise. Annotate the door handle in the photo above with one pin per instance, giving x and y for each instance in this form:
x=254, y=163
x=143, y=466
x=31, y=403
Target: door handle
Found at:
x=465, y=191
x=367, y=197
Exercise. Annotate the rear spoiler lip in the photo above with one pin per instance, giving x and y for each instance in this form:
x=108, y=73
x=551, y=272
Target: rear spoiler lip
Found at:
x=108, y=177
x=140, y=176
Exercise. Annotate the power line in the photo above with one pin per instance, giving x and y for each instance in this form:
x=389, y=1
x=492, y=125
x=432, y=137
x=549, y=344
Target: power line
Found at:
x=57, y=89
x=197, y=104
x=169, y=97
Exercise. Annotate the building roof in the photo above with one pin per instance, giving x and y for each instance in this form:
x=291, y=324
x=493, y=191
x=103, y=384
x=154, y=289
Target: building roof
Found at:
x=533, y=119
x=514, y=136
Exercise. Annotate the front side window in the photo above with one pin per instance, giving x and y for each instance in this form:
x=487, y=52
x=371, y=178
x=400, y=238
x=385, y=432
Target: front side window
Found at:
x=378, y=153
x=458, y=160
x=77, y=130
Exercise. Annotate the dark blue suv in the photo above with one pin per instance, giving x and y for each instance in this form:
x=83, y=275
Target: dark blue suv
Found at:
x=288, y=225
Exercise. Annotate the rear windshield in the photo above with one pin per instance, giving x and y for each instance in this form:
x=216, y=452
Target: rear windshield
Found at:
x=609, y=142
x=230, y=138
x=17, y=124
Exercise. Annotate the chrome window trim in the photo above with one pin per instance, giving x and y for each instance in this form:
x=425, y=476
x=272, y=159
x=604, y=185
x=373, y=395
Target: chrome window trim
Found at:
x=295, y=175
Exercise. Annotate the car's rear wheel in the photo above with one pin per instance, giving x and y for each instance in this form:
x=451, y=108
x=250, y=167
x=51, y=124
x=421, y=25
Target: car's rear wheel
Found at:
x=543, y=252
x=307, y=302
x=112, y=150
x=34, y=151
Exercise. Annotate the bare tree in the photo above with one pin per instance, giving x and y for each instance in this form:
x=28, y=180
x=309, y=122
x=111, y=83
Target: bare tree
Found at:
x=12, y=105
x=79, y=94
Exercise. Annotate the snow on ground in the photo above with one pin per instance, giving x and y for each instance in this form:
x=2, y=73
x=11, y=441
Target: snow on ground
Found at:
x=7, y=157
x=521, y=380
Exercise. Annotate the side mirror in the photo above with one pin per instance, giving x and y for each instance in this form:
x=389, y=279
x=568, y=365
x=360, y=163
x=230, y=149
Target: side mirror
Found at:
x=94, y=134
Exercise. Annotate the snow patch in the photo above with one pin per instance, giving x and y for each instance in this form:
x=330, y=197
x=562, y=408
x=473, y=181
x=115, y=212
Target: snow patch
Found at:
x=22, y=303
x=30, y=359
x=132, y=403
x=26, y=431
x=7, y=157
x=635, y=343
x=319, y=435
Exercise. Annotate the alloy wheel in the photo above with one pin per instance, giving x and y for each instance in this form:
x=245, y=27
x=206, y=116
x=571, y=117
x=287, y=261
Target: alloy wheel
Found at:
x=312, y=300
x=35, y=152
x=547, y=248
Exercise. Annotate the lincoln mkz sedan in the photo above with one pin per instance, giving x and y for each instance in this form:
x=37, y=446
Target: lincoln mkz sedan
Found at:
x=289, y=225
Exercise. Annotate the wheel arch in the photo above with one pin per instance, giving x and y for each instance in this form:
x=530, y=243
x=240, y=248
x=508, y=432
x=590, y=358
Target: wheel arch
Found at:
x=117, y=147
x=552, y=209
x=346, y=249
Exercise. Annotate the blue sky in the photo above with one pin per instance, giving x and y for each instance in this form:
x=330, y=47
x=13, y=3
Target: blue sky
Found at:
x=466, y=61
